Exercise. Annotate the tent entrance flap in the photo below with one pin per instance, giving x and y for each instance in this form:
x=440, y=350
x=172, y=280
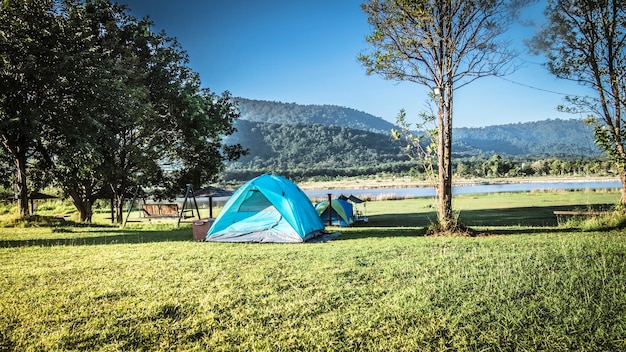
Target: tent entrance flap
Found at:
x=256, y=201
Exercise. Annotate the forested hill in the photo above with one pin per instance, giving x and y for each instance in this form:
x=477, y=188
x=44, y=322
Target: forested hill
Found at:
x=309, y=150
x=326, y=115
x=308, y=140
x=548, y=138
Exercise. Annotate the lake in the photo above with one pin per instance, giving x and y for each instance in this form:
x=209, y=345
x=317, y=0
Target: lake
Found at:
x=474, y=189
x=415, y=192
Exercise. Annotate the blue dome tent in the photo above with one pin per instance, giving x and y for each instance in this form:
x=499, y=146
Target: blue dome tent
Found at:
x=341, y=212
x=268, y=208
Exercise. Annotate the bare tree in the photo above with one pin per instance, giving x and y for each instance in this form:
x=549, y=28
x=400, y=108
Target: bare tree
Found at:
x=444, y=45
x=585, y=41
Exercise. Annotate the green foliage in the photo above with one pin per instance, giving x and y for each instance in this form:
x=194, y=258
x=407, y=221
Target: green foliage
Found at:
x=551, y=147
x=610, y=142
x=33, y=84
x=584, y=41
x=553, y=137
x=293, y=140
x=97, y=103
x=420, y=146
x=611, y=220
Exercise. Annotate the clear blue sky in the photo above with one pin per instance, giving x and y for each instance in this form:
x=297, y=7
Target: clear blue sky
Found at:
x=304, y=51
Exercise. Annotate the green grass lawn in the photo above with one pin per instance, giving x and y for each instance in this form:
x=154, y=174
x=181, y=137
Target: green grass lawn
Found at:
x=383, y=286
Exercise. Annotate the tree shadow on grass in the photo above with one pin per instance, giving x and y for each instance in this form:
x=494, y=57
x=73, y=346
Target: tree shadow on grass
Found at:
x=378, y=232
x=500, y=221
x=111, y=237
x=528, y=231
x=538, y=217
x=421, y=219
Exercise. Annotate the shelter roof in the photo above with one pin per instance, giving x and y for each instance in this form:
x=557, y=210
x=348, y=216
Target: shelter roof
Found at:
x=351, y=198
x=212, y=192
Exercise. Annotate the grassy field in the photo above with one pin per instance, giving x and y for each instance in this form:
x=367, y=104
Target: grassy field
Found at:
x=530, y=285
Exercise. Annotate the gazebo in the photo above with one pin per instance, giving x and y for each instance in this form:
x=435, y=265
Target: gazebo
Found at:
x=32, y=196
x=212, y=192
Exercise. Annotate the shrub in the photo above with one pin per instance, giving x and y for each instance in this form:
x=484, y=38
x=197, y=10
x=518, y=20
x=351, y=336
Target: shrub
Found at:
x=614, y=219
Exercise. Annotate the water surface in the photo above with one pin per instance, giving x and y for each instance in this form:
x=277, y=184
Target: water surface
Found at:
x=475, y=189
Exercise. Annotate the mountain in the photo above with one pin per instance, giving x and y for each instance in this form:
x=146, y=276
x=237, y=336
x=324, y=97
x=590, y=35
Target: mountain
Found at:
x=310, y=150
x=309, y=140
x=563, y=138
x=326, y=115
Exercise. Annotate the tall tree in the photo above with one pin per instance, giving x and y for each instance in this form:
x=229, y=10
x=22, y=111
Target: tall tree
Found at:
x=105, y=102
x=168, y=120
x=94, y=96
x=29, y=98
x=444, y=45
x=585, y=41
x=153, y=125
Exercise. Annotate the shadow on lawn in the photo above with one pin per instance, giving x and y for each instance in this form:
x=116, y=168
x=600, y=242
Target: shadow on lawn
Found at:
x=113, y=237
x=539, y=219
x=531, y=219
x=540, y=216
x=379, y=232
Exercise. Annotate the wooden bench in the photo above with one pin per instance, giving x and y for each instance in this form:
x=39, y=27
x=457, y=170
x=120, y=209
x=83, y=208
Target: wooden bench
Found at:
x=574, y=213
x=561, y=214
x=160, y=210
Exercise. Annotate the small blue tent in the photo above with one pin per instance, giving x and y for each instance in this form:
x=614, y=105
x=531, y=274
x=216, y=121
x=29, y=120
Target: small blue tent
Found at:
x=341, y=212
x=268, y=208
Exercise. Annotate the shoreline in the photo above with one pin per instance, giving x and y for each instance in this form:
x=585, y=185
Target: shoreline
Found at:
x=406, y=182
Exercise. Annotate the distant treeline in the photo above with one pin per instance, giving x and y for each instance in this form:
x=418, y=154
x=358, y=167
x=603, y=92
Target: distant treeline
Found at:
x=473, y=167
x=508, y=166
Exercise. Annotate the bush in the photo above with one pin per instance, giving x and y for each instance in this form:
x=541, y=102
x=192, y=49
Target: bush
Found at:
x=614, y=219
x=32, y=221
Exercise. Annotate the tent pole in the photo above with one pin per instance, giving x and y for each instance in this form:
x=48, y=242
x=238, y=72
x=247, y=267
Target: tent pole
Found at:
x=330, y=210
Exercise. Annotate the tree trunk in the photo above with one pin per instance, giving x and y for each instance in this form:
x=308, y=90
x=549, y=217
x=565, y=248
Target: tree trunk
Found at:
x=20, y=183
x=622, y=178
x=444, y=151
x=83, y=203
x=85, y=211
x=119, y=208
